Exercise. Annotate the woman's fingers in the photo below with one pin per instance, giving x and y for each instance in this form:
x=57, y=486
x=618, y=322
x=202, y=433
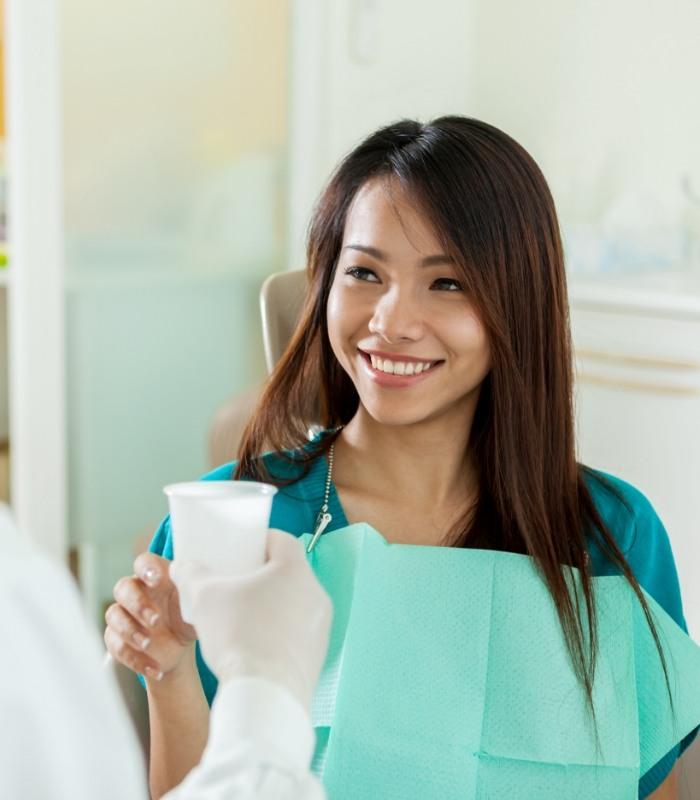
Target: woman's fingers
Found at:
x=145, y=631
x=125, y=654
x=127, y=627
x=133, y=596
x=153, y=570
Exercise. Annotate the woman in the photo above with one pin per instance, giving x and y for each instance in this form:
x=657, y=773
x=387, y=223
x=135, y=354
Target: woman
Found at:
x=434, y=349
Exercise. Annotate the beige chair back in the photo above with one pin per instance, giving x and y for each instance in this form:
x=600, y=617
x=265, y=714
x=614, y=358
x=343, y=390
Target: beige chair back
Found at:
x=281, y=300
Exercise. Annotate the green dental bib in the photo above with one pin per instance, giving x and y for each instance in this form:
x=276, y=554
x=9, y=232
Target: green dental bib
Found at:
x=448, y=677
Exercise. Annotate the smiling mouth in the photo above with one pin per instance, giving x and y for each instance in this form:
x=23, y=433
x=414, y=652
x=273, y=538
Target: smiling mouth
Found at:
x=399, y=368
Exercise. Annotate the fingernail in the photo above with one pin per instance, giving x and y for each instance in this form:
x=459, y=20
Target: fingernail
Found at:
x=142, y=641
x=150, y=576
x=153, y=674
x=151, y=617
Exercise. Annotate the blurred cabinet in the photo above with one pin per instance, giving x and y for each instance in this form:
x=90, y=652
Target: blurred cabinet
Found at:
x=638, y=415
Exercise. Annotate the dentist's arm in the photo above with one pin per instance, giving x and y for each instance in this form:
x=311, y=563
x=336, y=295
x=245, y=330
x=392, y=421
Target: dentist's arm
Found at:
x=64, y=732
x=265, y=636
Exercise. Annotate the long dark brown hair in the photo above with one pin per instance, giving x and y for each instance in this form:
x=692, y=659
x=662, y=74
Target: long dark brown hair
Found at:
x=492, y=210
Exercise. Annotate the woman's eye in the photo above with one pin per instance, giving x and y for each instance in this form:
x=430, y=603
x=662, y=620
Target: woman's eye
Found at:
x=361, y=273
x=450, y=284
x=369, y=276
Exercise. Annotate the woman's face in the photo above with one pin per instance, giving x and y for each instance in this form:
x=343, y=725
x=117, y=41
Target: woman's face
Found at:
x=399, y=322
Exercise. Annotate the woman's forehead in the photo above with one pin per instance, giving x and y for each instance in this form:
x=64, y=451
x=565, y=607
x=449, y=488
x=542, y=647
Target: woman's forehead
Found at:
x=385, y=216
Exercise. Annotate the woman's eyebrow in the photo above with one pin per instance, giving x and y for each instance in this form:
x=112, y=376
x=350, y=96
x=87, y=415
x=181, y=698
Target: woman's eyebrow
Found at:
x=428, y=261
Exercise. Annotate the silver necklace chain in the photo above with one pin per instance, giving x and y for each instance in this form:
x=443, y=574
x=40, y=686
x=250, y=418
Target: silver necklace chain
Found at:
x=324, y=517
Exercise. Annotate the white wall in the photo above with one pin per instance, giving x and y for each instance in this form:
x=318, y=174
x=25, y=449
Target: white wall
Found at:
x=360, y=64
x=602, y=94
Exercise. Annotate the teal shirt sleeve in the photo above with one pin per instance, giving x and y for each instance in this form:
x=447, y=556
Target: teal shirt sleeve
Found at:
x=641, y=536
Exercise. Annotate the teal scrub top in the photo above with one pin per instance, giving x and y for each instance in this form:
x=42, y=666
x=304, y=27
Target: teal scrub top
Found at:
x=638, y=530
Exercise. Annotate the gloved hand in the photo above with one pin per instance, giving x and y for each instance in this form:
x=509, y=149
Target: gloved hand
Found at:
x=272, y=623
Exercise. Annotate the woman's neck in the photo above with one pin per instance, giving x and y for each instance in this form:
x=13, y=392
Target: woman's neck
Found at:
x=425, y=463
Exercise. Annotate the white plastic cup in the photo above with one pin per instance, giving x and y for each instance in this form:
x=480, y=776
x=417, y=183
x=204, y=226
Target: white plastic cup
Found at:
x=220, y=524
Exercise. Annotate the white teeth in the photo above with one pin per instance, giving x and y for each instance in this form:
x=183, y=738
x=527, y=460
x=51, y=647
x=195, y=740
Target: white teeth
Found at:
x=399, y=367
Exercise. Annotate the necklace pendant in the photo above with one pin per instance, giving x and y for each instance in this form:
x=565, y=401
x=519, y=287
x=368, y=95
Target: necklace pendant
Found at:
x=322, y=522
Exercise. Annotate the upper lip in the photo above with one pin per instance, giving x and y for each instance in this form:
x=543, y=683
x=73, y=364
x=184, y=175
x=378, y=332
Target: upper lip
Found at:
x=398, y=356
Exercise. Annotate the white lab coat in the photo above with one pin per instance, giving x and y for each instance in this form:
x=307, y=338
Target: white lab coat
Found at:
x=65, y=735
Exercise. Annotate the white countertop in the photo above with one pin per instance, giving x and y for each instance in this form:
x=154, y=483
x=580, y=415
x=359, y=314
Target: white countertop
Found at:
x=675, y=294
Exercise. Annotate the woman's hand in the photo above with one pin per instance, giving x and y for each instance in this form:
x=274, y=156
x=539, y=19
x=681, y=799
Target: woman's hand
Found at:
x=145, y=630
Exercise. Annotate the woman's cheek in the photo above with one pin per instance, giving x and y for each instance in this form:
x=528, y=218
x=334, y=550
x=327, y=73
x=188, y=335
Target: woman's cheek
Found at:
x=467, y=330
x=336, y=322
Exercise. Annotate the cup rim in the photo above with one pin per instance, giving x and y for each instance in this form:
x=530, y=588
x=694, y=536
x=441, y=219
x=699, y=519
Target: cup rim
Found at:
x=214, y=488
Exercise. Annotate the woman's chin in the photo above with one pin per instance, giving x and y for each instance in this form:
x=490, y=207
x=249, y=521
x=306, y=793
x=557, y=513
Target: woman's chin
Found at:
x=393, y=415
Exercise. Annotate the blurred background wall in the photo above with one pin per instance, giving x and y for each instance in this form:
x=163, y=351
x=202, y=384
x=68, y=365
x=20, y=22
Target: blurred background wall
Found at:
x=599, y=93
x=174, y=146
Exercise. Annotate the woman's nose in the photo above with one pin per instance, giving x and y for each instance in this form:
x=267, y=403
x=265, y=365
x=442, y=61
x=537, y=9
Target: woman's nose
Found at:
x=396, y=317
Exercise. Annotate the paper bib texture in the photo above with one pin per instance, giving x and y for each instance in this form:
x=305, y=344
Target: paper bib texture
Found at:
x=448, y=677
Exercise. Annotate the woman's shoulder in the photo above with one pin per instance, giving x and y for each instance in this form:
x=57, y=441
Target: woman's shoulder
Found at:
x=640, y=534
x=224, y=472
x=295, y=465
x=622, y=506
x=626, y=511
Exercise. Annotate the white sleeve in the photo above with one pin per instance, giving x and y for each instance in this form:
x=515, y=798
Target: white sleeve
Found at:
x=64, y=732
x=260, y=746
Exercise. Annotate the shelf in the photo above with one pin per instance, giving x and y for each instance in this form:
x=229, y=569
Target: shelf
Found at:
x=662, y=293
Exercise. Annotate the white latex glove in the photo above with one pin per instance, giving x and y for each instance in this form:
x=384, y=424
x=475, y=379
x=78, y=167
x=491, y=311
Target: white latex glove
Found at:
x=273, y=623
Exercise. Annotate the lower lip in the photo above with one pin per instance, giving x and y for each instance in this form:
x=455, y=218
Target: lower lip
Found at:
x=396, y=381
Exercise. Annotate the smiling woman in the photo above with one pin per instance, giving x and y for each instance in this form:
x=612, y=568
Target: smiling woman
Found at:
x=434, y=339
x=439, y=245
